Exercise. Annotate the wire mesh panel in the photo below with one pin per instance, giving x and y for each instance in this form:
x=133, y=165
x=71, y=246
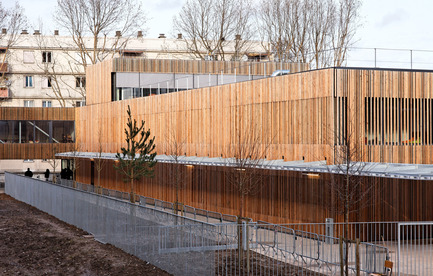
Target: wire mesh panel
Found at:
x=183, y=245
x=415, y=248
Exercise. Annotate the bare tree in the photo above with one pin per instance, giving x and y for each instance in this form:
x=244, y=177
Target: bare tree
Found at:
x=318, y=32
x=76, y=162
x=245, y=165
x=90, y=21
x=12, y=21
x=61, y=77
x=175, y=148
x=54, y=163
x=345, y=28
x=349, y=189
x=99, y=161
x=212, y=28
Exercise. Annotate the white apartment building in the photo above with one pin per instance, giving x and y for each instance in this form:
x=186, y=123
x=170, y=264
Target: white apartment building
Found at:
x=41, y=70
x=47, y=70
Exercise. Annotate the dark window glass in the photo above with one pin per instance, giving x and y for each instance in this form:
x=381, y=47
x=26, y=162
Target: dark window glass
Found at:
x=63, y=132
x=42, y=130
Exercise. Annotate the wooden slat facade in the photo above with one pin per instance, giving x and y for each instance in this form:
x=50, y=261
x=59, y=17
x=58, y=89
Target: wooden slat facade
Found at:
x=302, y=116
x=299, y=114
x=34, y=150
x=285, y=197
x=37, y=113
x=291, y=112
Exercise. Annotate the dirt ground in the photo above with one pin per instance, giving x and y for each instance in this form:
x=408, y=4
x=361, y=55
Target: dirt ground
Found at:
x=35, y=243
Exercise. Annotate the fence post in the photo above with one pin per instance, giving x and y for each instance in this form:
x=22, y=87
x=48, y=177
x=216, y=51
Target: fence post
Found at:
x=341, y=256
x=357, y=259
x=329, y=222
x=398, y=249
x=244, y=236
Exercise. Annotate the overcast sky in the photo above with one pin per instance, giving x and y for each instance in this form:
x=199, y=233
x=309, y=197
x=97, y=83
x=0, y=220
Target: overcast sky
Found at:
x=396, y=24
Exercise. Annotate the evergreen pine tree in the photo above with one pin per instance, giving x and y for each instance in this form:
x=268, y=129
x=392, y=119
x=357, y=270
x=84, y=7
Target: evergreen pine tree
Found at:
x=138, y=158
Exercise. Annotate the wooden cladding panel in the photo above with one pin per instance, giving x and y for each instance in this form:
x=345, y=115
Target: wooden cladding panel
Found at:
x=32, y=150
x=285, y=197
x=298, y=113
x=202, y=66
x=290, y=112
x=389, y=112
x=37, y=113
x=98, y=83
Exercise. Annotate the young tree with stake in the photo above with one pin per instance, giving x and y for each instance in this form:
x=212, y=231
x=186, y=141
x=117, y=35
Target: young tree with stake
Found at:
x=138, y=158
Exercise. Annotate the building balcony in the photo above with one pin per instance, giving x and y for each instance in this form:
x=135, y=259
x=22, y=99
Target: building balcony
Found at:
x=4, y=93
x=4, y=68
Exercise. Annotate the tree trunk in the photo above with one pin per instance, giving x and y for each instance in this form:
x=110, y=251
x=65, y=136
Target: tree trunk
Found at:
x=346, y=226
x=99, y=181
x=132, y=196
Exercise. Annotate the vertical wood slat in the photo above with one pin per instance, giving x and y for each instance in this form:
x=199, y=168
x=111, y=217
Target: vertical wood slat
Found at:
x=285, y=197
x=299, y=110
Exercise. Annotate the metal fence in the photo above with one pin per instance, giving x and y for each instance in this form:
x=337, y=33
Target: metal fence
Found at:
x=183, y=245
x=183, y=210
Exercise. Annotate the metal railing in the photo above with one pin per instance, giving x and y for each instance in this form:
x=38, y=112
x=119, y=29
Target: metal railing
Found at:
x=186, y=246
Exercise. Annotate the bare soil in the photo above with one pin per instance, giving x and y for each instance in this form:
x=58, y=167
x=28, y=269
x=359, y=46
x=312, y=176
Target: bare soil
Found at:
x=228, y=264
x=35, y=243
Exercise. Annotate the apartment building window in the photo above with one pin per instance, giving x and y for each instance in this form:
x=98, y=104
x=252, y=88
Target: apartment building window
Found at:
x=46, y=103
x=80, y=82
x=46, y=57
x=29, y=103
x=46, y=83
x=28, y=57
x=28, y=81
x=80, y=103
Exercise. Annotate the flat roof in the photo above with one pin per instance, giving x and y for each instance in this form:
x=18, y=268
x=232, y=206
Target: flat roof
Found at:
x=386, y=170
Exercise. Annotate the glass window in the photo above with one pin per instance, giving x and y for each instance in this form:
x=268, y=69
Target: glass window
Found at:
x=46, y=103
x=80, y=103
x=80, y=82
x=42, y=131
x=26, y=131
x=46, y=57
x=126, y=93
x=63, y=132
x=137, y=93
x=46, y=82
x=29, y=103
x=7, y=131
x=37, y=132
x=28, y=81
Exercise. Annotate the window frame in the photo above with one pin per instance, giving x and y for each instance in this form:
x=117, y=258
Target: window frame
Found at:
x=44, y=104
x=29, y=81
x=31, y=103
x=80, y=82
x=47, y=57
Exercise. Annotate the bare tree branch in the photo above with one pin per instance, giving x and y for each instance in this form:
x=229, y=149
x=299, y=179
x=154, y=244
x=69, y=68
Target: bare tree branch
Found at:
x=210, y=27
x=310, y=31
x=90, y=21
x=13, y=21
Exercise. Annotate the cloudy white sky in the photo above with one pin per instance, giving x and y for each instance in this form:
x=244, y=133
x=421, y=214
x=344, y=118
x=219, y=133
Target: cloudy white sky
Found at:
x=396, y=24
